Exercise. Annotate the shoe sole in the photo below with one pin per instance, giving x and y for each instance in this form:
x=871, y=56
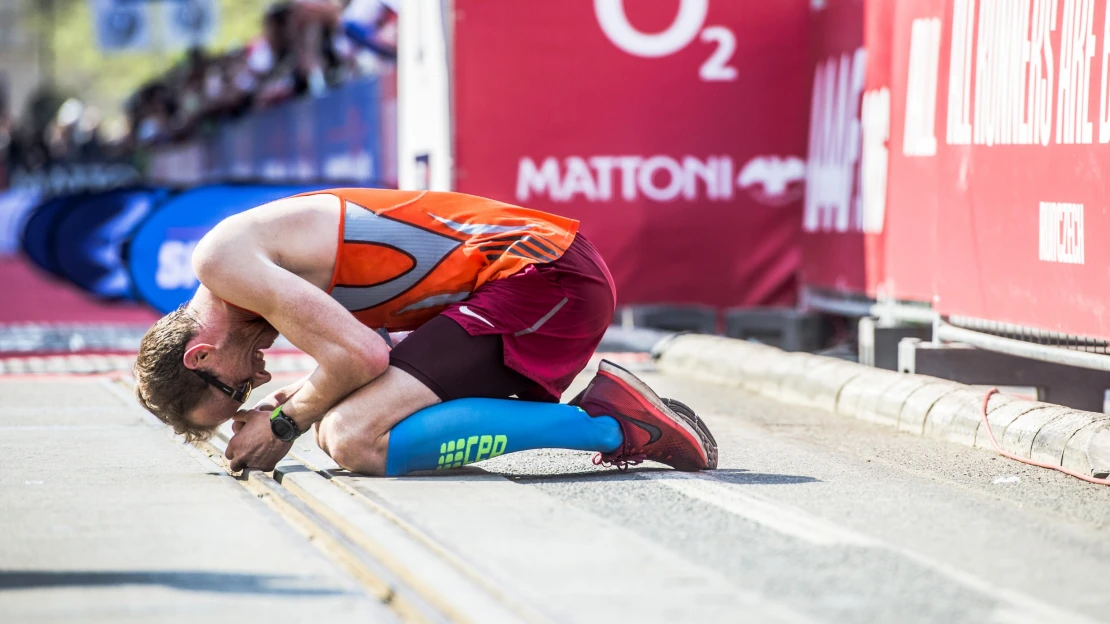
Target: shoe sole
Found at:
x=707, y=439
x=691, y=426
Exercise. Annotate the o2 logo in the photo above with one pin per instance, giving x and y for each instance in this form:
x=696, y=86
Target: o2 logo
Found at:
x=175, y=265
x=685, y=27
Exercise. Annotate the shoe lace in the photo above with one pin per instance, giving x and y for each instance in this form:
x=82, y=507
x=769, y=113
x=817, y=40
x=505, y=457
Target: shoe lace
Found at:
x=622, y=462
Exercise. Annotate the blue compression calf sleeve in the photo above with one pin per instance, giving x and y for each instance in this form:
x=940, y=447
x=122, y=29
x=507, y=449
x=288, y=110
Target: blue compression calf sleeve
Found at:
x=463, y=431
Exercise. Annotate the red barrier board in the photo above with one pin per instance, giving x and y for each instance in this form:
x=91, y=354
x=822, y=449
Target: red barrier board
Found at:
x=909, y=228
x=673, y=130
x=832, y=239
x=878, y=25
x=31, y=297
x=1023, y=119
x=845, y=247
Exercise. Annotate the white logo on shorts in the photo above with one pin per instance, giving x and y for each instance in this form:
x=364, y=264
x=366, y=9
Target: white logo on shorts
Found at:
x=467, y=311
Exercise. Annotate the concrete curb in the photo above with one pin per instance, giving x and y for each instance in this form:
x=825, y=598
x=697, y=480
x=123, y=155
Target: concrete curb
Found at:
x=913, y=403
x=619, y=339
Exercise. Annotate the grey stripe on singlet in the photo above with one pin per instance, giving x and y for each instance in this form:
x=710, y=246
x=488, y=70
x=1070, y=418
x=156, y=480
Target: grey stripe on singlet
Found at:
x=426, y=248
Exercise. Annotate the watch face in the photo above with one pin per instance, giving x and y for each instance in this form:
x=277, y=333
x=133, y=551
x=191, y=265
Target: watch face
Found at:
x=282, y=429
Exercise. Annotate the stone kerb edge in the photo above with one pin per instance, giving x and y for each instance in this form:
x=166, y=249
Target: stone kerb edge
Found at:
x=1051, y=441
x=916, y=404
x=819, y=383
x=861, y=396
x=956, y=416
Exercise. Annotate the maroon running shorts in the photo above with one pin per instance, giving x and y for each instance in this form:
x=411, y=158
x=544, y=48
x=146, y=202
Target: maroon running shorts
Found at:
x=528, y=334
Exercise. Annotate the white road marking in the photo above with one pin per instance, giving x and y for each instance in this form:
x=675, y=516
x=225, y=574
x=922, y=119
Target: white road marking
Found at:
x=1013, y=608
x=780, y=518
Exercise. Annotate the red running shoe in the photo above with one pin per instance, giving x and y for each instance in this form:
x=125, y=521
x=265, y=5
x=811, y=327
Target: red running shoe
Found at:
x=658, y=429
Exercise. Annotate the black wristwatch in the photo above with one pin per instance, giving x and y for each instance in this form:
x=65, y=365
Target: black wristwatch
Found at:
x=283, y=426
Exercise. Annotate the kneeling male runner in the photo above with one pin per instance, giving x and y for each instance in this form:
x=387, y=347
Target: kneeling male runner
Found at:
x=502, y=301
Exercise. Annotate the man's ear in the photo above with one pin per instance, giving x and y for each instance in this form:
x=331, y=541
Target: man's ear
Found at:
x=198, y=354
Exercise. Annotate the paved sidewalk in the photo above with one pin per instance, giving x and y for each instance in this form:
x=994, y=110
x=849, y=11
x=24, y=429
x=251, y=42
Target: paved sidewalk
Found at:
x=105, y=518
x=809, y=518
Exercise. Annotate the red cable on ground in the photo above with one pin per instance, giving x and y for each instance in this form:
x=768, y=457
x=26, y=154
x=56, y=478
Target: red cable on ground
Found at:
x=1024, y=460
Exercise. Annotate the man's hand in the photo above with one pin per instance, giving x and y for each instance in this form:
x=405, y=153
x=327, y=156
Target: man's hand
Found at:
x=254, y=445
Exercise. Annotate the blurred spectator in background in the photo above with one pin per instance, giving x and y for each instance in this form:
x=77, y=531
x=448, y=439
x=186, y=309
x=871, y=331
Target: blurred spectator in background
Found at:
x=58, y=130
x=372, y=24
x=29, y=139
x=304, y=47
x=363, y=33
x=151, y=110
x=270, y=57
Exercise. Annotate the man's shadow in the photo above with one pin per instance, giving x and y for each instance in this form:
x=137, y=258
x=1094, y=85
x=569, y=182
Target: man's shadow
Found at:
x=189, y=580
x=734, y=476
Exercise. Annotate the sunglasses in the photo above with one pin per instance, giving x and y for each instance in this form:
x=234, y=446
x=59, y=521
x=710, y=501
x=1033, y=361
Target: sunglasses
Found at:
x=239, y=394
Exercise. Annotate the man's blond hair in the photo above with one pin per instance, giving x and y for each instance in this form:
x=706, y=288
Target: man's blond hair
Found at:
x=164, y=386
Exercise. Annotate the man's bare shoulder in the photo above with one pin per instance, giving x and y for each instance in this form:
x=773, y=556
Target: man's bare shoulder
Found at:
x=298, y=233
x=295, y=212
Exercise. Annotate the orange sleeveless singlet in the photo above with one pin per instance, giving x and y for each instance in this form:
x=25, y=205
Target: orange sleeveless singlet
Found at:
x=405, y=255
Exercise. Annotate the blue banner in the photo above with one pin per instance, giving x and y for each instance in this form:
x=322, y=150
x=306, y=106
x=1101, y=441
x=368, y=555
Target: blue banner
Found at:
x=160, y=254
x=15, y=206
x=350, y=133
x=38, y=232
x=335, y=139
x=88, y=239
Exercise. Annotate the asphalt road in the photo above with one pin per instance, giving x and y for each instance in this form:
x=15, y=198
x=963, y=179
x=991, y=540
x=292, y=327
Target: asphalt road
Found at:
x=810, y=518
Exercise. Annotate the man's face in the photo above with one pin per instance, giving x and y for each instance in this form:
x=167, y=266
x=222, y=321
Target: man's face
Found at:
x=236, y=360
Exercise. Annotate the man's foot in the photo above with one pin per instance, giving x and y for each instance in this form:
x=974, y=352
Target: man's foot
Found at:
x=661, y=430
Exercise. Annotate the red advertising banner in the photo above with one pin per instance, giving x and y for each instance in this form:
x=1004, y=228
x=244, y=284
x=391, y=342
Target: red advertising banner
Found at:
x=878, y=26
x=832, y=238
x=844, y=245
x=909, y=226
x=1022, y=122
x=674, y=130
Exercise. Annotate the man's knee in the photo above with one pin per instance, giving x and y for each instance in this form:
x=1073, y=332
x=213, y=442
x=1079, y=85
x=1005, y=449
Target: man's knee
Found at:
x=353, y=448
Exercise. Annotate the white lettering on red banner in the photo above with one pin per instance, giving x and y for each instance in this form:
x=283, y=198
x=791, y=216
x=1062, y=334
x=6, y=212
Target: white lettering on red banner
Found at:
x=959, y=73
x=772, y=180
x=681, y=32
x=1022, y=91
x=614, y=23
x=1061, y=233
x=832, y=202
x=1103, y=108
x=919, y=138
x=876, y=133
x=1078, y=43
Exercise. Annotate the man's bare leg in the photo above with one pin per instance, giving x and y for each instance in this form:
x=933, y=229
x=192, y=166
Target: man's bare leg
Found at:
x=355, y=433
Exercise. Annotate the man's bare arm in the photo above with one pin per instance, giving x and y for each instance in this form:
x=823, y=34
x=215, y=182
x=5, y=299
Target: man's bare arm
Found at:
x=282, y=395
x=348, y=354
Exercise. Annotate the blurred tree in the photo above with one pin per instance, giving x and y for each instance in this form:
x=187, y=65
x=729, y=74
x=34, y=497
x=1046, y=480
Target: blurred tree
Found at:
x=106, y=80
